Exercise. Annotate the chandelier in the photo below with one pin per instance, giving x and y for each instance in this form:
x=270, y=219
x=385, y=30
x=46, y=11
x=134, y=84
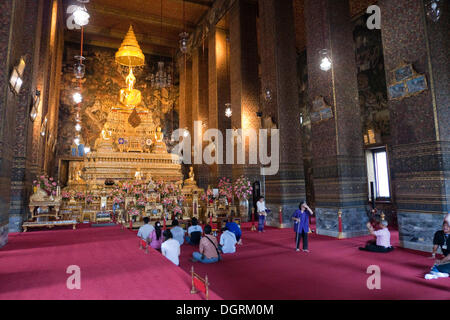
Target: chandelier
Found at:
x=433, y=10
x=161, y=78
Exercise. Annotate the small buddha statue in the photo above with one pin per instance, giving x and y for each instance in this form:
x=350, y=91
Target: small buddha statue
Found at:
x=160, y=146
x=105, y=140
x=130, y=97
x=190, y=180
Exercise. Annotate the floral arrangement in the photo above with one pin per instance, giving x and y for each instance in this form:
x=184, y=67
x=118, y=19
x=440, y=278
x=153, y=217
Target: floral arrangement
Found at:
x=118, y=199
x=225, y=188
x=79, y=196
x=66, y=195
x=89, y=198
x=242, y=188
x=134, y=212
x=177, y=210
x=141, y=202
x=46, y=183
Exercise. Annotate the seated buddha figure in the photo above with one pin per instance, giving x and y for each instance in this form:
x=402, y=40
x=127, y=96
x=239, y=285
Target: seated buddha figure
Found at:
x=130, y=97
x=160, y=146
x=190, y=180
x=104, y=141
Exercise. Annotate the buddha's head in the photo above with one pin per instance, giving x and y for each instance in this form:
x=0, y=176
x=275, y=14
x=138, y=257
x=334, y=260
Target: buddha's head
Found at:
x=158, y=129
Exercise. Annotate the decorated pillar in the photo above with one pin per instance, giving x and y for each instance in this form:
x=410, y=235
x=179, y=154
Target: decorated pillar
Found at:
x=244, y=79
x=337, y=146
x=276, y=38
x=200, y=105
x=417, y=68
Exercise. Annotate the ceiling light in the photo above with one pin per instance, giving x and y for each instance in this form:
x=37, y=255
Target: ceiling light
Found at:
x=77, y=97
x=81, y=16
x=325, y=60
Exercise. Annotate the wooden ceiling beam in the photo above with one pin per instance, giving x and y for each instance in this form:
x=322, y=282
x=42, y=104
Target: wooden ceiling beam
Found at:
x=204, y=3
x=141, y=37
x=105, y=42
x=140, y=17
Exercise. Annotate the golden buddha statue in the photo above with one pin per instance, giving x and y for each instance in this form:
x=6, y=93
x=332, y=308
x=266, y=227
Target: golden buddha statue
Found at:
x=130, y=97
x=190, y=180
x=160, y=146
x=104, y=141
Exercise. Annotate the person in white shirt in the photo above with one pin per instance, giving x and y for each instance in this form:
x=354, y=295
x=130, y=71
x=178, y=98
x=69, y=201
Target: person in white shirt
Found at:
x=228, y=241
x=170, y=248
x=177, y=232
x=145, y=231
x=262, y=213
x=383, y=242
x=194, y=232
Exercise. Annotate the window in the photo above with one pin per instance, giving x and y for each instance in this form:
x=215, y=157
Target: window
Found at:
x=378, y=172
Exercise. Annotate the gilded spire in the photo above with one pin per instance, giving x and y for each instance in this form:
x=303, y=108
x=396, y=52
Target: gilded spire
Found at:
x=130, y=54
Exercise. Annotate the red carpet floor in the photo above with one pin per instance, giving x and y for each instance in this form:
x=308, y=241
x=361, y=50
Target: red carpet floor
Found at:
x=33, y=266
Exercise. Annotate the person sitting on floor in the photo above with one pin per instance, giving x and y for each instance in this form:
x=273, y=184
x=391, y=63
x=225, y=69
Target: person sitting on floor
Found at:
x=146, y=230
x=209, y=253
x=177, y=232
x=227, y=241
x=156, y=238
x=383, y=242
x=170, y=248
x=194, y=233
x=235, y=228
x=441, y=268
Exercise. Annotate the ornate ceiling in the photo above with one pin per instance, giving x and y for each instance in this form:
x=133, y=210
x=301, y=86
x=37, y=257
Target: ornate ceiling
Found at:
x=110, y=20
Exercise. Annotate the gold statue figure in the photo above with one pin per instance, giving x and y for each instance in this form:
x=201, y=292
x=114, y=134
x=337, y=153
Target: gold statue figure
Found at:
x=160, y=146
x=190, y=180
x=130, y=97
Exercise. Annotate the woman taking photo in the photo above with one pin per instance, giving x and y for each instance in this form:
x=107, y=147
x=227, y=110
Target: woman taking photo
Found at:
x=301, y=225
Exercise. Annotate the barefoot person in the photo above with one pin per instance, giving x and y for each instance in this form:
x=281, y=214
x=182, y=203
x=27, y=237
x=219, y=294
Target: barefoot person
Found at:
x=441, y=268
x=301, y=225
x=262, y=213
x=383, y=242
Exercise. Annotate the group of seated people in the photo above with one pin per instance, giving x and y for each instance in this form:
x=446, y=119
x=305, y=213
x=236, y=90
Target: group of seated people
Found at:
x=441, y=239
x=170, y=240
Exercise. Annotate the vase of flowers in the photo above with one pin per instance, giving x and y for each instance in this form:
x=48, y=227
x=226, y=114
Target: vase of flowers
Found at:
x=134, y=213
x=243, y=189
x=79, y=196
x=226, y=189
x=66, y=195
x=47, y=184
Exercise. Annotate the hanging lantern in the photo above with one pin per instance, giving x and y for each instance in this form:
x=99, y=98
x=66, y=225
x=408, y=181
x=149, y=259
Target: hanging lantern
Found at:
x=80, y=15
x=228, y=111
x=325, y=60
x=79, y=68
x=184, y=36
x=433, y=10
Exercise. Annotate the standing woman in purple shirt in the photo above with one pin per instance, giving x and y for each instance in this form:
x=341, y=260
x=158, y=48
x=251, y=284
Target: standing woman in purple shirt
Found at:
x=301, y=225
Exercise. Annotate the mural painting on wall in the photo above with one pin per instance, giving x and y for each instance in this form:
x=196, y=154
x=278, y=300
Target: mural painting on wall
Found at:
x=100, y=90
x=371, y=82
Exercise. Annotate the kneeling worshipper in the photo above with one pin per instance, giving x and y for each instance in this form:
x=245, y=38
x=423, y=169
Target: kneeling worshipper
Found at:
x=177, y=232
x=441, y=268
x=227, y=241
x=170, y=248
x=383, y=242
x=209, y=252
x=146, y=230
x=156, y=238
x=234, y=227
x=194, y=232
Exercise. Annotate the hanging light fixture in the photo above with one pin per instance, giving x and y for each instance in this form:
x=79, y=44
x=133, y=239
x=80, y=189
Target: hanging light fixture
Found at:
x=161, y=78
x=79, y=68
x=433, y=9
x=35, y=105
x=77, y=140
x=184, y=36
x=324, y=56
x=78, y=127
x=77, y=97
x=80, y=15
x=228, y=111
x=325, y=61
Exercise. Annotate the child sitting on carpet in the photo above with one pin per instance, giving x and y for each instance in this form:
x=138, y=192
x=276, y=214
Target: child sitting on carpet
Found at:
x=383, y=242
